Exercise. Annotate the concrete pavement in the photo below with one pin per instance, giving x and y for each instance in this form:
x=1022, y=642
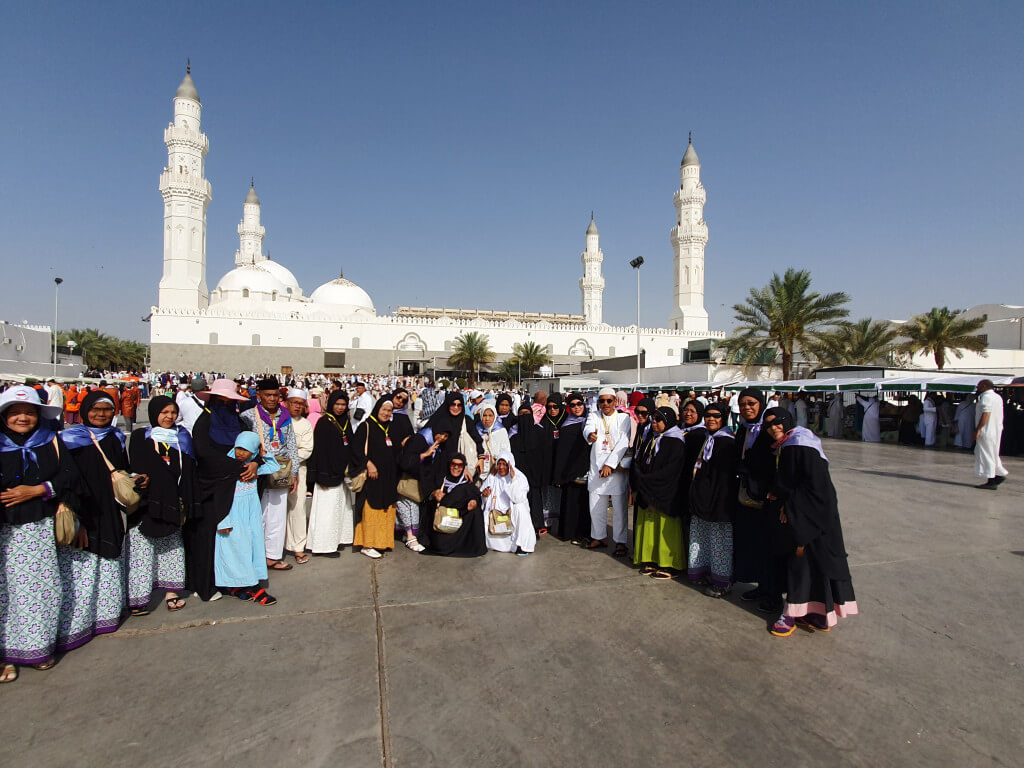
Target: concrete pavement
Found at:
x=571, y=658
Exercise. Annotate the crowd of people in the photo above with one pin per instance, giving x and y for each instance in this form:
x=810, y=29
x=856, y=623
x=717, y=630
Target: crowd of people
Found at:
x=233, y=479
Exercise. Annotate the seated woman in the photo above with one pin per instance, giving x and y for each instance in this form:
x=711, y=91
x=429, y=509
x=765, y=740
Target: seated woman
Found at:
x=240, y=557
x=819, y=589
x=156, y=552
x=459, y=494
x=507, y=523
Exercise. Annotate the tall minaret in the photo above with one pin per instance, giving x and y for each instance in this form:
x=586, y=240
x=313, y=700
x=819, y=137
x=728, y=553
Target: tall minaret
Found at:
x=592, y=284
x=689, y=236
x=186, y=196
x=250, y=232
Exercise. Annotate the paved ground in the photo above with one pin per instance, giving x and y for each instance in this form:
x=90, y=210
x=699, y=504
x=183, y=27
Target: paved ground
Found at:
x=571, y=658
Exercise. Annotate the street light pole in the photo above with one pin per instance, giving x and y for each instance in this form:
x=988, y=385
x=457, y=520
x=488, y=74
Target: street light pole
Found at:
x=56, y=293
x=636, y=264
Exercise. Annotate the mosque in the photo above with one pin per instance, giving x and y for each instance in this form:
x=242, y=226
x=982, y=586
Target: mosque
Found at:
x=258, y=317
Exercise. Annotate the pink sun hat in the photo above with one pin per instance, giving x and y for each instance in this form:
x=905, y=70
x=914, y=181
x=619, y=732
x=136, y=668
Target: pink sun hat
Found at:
x=222, y=388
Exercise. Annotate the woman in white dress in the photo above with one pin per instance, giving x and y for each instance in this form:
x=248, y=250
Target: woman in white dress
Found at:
x=929, y=420
x=494, y=437
x=331, y=520
x=508, y=492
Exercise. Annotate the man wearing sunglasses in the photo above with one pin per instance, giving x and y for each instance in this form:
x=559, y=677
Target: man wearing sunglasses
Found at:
x=608, y=433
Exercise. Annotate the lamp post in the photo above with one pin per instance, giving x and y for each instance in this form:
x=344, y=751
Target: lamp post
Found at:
x=636, y=264
x=56, y=293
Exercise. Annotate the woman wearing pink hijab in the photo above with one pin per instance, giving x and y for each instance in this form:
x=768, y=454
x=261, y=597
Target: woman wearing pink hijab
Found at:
x=315, y=407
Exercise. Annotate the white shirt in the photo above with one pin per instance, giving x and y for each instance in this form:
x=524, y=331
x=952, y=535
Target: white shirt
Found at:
x=734, y=403
x=366, y=402
x=55, y=395
x=189, y=409
x=607, y=451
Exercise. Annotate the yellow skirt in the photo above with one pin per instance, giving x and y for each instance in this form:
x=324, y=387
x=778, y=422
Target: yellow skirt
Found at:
x=377, y=528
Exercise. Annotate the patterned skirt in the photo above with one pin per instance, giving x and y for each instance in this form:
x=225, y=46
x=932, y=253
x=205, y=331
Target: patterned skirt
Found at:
x=710, y=552
x=93, y=596
x=29, y=592
x=153, y=564
x=408, y=515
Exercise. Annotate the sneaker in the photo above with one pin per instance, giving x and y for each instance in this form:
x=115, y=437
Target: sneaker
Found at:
x=813, y=622
x=371, y=553
x=783, y=627
x=753, y=594
x=215, y=596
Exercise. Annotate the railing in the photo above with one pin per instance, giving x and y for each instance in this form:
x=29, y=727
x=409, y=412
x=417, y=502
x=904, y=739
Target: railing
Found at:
x=177, y=133
x=196, y=183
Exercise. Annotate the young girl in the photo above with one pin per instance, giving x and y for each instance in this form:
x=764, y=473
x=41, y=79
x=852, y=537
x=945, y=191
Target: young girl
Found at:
x=240, y=559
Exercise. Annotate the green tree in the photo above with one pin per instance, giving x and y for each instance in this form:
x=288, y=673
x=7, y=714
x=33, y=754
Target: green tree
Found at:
x=509, y=371
x=865, y=342
x=529, y=356
x=103, y=352
x=471, y=350
x=941, y=331
x=782, y=316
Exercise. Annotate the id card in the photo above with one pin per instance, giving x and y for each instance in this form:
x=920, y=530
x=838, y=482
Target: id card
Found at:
x=387, y=441
x=555, y=434
x=275, y=445
x=344, y=439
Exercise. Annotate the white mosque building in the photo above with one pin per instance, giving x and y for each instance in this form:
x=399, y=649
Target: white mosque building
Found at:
x=258, y=318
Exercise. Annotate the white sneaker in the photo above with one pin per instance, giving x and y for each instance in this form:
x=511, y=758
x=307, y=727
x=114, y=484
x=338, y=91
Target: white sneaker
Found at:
x=215, y=596
x=371, y=553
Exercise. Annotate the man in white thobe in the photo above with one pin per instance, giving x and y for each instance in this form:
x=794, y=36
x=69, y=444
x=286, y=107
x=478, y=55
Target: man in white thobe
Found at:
x=190, y=407
x=835, y=416
x=800, y=411
x=607, y=431
x=297, y=521
x=871, y=431
x=361, y=406
x=929, y=421
x=965, y=423
x=987, y=436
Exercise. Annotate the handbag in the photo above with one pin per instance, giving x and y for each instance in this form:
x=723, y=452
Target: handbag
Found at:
x=124, y=486
x=409, y=488
x=65, y=522
x=356, y=482
x=748, y=494
x=499, y=523
x=282, y=478
x=447, y=519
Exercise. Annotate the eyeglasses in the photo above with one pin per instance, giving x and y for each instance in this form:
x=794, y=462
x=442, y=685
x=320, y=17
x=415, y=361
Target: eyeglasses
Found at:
x=576, y=404
x=642, y=413
x=606, y=399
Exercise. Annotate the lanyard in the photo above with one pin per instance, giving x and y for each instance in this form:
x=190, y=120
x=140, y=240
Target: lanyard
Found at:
x=382, y=427
x=555, y=424
x=607, y=432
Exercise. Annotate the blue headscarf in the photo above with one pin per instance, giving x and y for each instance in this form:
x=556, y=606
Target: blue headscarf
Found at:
x=81, y=435
x=42, y=435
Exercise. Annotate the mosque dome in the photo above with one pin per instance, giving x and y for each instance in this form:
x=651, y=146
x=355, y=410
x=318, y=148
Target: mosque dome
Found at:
x=344, y=296
x=284, y=276
x=187, y=89
x=252, y=282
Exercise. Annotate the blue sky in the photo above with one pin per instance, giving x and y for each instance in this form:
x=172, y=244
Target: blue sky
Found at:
x=451, y=153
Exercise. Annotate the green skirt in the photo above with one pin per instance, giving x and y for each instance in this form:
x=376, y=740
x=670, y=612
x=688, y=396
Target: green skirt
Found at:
x=659, y=540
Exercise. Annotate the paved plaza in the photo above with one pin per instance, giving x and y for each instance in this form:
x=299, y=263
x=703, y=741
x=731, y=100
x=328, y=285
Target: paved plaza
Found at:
x=570, y=658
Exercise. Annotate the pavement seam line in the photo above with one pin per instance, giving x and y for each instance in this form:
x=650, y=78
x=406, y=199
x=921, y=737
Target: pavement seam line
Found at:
x=230, y=620
x=382, y=683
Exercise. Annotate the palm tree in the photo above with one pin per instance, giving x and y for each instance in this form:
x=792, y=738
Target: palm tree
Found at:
x=470, y=350
x=865, y=342
x=509, y=371
x=529, y=356
x=941, y=330
x=782, y=316
x=103, y=352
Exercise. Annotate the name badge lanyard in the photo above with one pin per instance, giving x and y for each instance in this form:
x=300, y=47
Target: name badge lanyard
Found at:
x=555, y=424
x=275, y=443
x=387, y=440
x=606, y=443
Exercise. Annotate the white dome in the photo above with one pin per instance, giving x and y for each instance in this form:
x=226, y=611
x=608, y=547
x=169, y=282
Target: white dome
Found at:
x=284, y=276
x=345, y=296
x=251, y=276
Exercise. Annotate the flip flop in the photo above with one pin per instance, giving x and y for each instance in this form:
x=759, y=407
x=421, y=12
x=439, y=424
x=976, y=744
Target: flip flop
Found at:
x=595, y=544
x=647, y=570
x=661, y=576
x=8, y=673
x=140, y=611
x=301, y=558
x=170, y=600
x=620, y=550
x=280, y=565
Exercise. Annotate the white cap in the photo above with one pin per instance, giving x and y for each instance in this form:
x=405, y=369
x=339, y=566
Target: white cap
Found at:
x=22, y=393
x=606, y=391
x=474, y=394
x=299, y=393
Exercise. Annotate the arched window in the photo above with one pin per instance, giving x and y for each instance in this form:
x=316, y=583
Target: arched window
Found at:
x=273, y=296
x=255, y=339
x=316, y=339
x=611, y=351
x=213, y=338
x=245, y=293
x=355, y=342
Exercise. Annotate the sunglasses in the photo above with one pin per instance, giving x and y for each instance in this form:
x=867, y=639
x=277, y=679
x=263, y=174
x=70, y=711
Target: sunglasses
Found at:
x=606, y=399
x=457, y=404
x=642, y=413
x=457, y=464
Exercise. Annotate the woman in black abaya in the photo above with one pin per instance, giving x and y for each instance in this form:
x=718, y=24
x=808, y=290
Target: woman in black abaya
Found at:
x=551, y=423
x=458, y=492
x=527, y=439
x=571, y=464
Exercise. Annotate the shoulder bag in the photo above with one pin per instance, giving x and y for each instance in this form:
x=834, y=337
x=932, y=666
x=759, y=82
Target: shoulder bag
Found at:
x=409, y=488
x=65, y=522
x=499, y=523
x=447, y=519
x=356, y=482
x=124, y=486
x=282, y=478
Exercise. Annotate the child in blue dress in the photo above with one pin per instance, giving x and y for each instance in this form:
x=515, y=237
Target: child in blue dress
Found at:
x=240, y=561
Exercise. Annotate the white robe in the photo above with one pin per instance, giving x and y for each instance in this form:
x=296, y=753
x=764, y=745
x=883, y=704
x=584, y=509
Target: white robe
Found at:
x=871, y=432
x=496, y=442
x=835, y=416
x=987, y=463
x=965, y=423
x=607, y=451
x=929, y=420
x=800, y=406
x=514, y=497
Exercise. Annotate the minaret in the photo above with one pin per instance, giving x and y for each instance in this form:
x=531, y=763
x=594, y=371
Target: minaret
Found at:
x=186, y=195
x=250, y=232
x=689, y=236
x=592, y=284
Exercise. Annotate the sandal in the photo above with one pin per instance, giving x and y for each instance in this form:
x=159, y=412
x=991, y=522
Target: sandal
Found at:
x=661, y=576
x=242, y=593
x=140, y=611
x=647, y=570
x=280, y=565
x=596, y=544
x=301, y=558
x=42, y=667
x=262, y=597
x=542, y=531
x=171, y=600
x=8, y=673
x=414, y=545
x=620, y=550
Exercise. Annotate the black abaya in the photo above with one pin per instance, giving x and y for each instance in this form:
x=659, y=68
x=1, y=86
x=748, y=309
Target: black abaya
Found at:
x=469, y=540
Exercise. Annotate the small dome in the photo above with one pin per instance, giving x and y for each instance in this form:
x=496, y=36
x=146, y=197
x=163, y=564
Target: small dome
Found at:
x=690, y=157
x=251, y=197
x=592, y=229
x=187, y=89
x=254, y=278
x=345, y=296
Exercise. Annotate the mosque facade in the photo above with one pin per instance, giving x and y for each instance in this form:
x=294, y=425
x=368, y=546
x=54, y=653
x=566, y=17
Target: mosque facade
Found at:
x=257, y=317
